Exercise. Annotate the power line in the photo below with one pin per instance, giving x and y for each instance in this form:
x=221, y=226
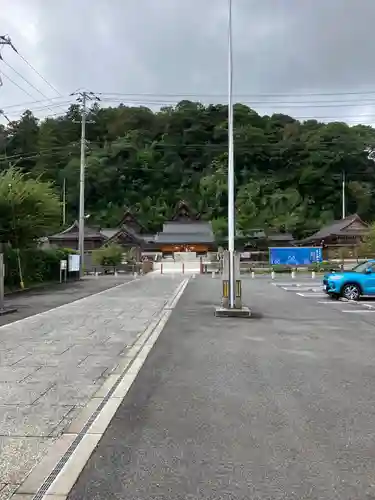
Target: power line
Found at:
x=6, y=40
x=39, y=74
x=286, y=103
x=352, y=119
x=41, y=108
x=237, y=94
x=294, y=104
x=16, y=84
x=26, y=80
x=29, y=103
x=297, y=117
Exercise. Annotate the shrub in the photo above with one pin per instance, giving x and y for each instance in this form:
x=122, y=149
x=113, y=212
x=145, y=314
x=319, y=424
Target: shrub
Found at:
x=108, y=256
x=37, y=265
x=279, y=268
x=324, y=266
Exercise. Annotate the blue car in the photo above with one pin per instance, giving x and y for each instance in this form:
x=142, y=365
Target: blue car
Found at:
x=351, y=284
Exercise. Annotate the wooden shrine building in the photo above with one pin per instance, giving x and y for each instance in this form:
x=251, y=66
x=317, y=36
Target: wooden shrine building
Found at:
x=185, y=232
x=342, y=235
x=68, y=238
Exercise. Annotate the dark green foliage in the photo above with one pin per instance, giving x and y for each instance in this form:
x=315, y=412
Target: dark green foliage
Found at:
x=288, y=173
x=37, y=265
x=108, y=256
x=29, y=208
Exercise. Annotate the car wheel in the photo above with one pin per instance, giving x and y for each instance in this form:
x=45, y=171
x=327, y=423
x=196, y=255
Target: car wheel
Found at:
x=351, y=291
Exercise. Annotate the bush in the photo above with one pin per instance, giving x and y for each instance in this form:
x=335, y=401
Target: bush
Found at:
x=37, y=265
x=279, y=268
x=324, y=267
x=108, y=256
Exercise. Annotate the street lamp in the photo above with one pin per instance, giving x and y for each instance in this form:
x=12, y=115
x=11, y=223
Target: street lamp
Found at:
x=232, y=304
x=231, y=222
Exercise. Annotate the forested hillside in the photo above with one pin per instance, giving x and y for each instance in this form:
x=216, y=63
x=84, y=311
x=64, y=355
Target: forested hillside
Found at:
x=288, y=173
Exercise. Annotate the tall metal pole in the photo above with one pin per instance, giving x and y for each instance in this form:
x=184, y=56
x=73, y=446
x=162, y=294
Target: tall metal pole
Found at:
x=343, y=195
x=81, y=234
x=231, y=221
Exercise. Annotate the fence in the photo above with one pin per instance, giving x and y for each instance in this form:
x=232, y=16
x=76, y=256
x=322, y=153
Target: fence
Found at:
x=264, y=267
x=139, y=268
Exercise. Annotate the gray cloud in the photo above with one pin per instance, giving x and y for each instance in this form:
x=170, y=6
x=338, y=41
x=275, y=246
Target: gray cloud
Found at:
x=166, y=47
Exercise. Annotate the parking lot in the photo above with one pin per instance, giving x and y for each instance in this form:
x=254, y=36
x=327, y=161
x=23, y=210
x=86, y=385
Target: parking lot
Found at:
x=312, y=290
x=280, y=406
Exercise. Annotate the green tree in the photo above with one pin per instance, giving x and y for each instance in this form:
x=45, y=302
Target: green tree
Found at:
x=29, y=208
x=367, y=249
x=288, y=173
x=108, y=256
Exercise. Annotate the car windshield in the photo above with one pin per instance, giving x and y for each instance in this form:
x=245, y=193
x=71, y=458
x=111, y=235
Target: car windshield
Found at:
x=361, y=267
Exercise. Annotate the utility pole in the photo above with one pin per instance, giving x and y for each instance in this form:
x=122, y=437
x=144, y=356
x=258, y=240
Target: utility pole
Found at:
x=83, y=97
x=343, y=194
x=64, y=202
x=231, y=218
x=5, y=40
x=4, y=115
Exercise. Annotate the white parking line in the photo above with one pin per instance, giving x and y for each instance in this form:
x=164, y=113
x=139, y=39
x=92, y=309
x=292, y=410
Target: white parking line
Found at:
x=298, y=285
x=313, y=294
x=358, y=311
x=303, y=289
x=314, y=290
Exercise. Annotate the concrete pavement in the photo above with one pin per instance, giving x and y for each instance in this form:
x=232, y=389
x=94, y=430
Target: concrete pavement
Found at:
x=39, y=300
x=51, y=364
x=280, y=407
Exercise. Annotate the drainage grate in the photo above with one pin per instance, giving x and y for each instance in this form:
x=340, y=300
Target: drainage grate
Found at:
x=58, y=468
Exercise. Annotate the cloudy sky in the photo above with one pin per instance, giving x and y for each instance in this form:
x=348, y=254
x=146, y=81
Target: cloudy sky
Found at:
x=307, y=58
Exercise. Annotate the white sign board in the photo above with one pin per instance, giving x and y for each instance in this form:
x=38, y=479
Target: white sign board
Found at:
x=74, y=262
x=63, y=265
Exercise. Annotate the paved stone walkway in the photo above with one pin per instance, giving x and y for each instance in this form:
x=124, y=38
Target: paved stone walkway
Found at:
x=51, y=365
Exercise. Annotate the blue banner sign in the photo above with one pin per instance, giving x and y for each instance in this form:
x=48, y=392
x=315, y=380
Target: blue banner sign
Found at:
x=295, y=256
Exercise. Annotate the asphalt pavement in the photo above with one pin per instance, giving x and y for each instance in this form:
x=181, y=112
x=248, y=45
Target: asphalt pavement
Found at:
x=37, y=300
x=277, y=407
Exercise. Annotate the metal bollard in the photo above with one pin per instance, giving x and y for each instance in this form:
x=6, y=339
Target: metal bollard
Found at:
x=252, y=274
x=161, y=268
x=183, y=268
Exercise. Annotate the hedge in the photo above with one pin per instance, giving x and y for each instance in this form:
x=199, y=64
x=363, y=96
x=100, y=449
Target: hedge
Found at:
x=318, y=267
x=38, y=265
